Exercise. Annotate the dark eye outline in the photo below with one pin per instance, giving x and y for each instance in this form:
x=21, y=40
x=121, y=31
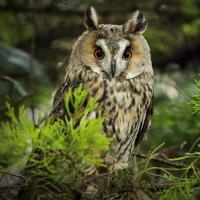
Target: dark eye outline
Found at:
x=98, y=53
x=127, y=55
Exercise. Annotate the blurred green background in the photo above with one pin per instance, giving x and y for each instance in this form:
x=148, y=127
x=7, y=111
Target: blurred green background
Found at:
x=36, y=39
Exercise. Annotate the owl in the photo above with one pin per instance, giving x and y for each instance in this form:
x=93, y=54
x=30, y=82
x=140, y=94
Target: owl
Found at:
x=113, y=63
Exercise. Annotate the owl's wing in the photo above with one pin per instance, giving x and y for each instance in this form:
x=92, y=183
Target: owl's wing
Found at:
x=58, y=101
x=145, y=125
x=58, y=109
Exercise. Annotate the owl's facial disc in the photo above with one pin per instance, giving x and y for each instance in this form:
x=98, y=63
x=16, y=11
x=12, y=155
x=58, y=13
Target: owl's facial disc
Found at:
x=115, y=55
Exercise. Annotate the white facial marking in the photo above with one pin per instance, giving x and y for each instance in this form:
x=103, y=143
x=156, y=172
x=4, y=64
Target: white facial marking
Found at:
x=136, y=71
x=120, y=62
x=105, y=62
x=122, y=46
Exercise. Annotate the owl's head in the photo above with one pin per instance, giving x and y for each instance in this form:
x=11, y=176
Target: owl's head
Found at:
x=117, y=51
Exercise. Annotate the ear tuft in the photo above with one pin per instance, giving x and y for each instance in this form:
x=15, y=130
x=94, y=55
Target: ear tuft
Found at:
x=137, y=24
x=91, y=19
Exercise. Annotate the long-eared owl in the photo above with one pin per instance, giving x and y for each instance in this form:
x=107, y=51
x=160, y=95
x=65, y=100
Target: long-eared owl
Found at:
x=113, y=63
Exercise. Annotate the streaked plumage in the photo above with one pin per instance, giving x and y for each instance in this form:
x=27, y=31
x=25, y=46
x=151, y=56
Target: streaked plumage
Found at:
x=113, y=63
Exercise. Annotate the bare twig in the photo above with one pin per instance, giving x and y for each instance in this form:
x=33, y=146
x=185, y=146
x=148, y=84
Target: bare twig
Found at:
x=159, y=160
x=10, y=174
x=194, y=144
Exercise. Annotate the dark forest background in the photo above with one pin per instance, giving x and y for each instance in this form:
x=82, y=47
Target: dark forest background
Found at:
x=36, y=38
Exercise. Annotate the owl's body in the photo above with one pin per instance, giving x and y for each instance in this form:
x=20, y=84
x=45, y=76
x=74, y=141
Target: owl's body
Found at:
x=123, y=84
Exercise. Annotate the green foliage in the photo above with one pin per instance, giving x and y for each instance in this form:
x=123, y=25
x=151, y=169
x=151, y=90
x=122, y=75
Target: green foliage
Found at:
x=62, y=150
x=151, y=180
x=67, y=149
x=183, y=186
x=183, y=180
x=196, y=98
x=16, y=138
x=174, y=120
x=178, y=191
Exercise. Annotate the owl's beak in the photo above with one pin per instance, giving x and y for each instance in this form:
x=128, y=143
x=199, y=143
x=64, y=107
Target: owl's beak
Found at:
x=113, y=68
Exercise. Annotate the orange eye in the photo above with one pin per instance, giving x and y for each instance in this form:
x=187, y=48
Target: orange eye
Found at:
x=98, y=53
x=127, y=54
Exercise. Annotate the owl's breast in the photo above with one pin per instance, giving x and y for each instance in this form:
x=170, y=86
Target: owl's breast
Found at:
x=123, y=105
